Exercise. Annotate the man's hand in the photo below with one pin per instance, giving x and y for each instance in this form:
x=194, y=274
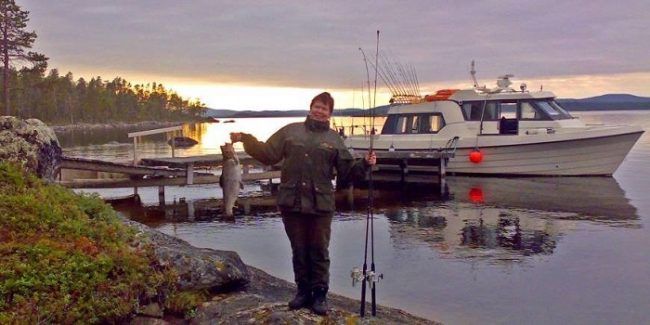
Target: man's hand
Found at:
x=235, y=137
x=371, y=158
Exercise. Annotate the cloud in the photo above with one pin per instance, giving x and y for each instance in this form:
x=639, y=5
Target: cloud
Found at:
x=315, y=43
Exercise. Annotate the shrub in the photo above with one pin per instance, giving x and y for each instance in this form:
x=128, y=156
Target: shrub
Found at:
x=67, y=258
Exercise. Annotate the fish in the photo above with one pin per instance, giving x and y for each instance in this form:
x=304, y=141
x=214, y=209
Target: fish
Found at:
x=230, y=179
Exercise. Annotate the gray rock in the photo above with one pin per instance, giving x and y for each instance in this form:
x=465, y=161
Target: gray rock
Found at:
x=265, y=302
x=31, y=144
x=198, y=268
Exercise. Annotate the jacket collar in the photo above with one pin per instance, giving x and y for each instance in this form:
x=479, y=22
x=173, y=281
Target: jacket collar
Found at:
x=316, y=126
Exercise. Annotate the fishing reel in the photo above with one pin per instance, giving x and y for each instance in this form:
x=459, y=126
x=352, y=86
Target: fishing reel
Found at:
x=370, y=276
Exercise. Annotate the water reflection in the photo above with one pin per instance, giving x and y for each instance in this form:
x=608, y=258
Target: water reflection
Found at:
x=499, y=220
x=201, y=210
x=584, y=198
x=495, y=219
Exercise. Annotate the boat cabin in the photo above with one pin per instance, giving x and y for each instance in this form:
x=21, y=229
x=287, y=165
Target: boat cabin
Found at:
x=501, y=113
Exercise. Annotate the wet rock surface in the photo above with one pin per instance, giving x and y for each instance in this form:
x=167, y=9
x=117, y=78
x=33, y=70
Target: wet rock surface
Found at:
x=264, y=301
x=31, y=144
x=198, y=268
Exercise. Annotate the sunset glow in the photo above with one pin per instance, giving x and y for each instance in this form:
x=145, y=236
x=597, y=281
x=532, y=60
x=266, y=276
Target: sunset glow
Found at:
x=243, y=97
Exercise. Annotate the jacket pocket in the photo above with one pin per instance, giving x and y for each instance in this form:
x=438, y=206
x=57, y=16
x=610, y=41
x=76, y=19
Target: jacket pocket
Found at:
x=324, y=195
x=287, y=195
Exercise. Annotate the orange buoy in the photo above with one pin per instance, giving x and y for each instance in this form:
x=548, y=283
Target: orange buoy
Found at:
x=476, y=156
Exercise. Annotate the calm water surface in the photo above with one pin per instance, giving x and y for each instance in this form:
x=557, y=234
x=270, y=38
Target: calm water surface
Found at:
x=513, y=251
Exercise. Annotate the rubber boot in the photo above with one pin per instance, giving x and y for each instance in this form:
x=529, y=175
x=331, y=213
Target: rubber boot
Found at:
x=319, y=305
x=302, y=299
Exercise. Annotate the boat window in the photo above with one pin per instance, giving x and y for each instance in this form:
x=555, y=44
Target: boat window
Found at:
x=560, y=108
x=529, y=112
x=508, y=110
x=390, y=125
x=491, y=112
x=551, y=111
x=413, y=124
x=472, y=111
x=431, y=123
x=402, y=123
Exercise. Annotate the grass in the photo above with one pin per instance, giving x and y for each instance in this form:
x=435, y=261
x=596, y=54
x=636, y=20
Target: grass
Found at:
x=67, y=258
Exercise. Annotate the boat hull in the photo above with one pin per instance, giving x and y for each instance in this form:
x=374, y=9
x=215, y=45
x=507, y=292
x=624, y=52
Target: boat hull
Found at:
x=575, y=157
x=564, y=155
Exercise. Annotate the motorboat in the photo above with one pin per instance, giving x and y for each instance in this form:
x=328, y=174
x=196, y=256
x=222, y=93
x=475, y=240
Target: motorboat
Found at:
x=501, y=131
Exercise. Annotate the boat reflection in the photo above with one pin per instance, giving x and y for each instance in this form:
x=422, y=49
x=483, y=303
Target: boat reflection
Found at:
x=590, y=198
x=505, y=219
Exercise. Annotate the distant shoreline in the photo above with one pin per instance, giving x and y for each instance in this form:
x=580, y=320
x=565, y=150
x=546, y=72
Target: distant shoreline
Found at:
x=117, y=125
x=275, y=114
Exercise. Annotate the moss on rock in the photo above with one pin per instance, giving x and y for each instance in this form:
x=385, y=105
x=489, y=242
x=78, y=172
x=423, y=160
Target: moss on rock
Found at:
x=31, y=144
x=68, y=258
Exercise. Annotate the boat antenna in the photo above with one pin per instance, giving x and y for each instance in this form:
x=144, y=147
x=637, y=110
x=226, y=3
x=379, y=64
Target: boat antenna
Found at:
x=473, y=73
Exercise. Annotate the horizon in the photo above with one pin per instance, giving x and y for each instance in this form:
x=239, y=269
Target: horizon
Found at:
x=252, y=56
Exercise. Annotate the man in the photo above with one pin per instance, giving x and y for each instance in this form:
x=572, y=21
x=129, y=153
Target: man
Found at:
x=311, y=151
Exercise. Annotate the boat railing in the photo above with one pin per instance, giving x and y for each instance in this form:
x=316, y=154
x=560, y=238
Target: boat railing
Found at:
x=450, y=146
x=355, y=129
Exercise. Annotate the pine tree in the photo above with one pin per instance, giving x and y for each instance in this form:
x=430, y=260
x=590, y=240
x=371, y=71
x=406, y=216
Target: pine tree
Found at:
x=14, y=40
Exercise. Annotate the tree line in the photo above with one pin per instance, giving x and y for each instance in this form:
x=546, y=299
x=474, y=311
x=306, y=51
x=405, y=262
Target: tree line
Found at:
x=27, y=91
x=62, y=100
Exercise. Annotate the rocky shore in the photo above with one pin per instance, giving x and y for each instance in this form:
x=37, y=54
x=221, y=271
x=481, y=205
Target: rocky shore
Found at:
x=243, y=294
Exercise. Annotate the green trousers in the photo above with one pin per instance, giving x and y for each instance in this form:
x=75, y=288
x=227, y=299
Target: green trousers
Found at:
x=309, y=235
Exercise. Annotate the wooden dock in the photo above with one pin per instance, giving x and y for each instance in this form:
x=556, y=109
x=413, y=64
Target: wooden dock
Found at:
x=392, y=166
x=410, y=166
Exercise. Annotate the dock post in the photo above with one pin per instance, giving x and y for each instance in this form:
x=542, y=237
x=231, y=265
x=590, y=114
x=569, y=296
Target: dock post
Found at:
x=405, y=169
x=351, y=195
x=442, y=171
x=161, y=195
x=135, y=151
x=173, y=146
x=190, y=173
x=190, y=210
x=135, y=190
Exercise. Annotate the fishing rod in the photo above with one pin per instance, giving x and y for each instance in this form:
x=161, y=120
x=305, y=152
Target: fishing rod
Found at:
x=370, y=189
x=356, y=274
x=369, y=277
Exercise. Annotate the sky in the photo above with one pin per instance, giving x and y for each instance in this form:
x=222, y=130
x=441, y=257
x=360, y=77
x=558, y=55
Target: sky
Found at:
x=279, y=54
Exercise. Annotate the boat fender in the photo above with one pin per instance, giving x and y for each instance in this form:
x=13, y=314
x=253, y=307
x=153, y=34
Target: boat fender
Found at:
x=476, y=156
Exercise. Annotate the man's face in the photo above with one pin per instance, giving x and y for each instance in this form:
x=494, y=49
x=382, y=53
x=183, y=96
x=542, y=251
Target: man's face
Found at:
x=319, y=111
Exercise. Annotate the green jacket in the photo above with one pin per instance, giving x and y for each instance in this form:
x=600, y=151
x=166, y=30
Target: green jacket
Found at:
x=310, y=156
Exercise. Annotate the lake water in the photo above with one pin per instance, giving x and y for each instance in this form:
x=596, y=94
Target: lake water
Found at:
x=494, y=250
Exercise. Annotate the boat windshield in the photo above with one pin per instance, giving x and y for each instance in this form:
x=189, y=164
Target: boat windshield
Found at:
x=553, y=110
